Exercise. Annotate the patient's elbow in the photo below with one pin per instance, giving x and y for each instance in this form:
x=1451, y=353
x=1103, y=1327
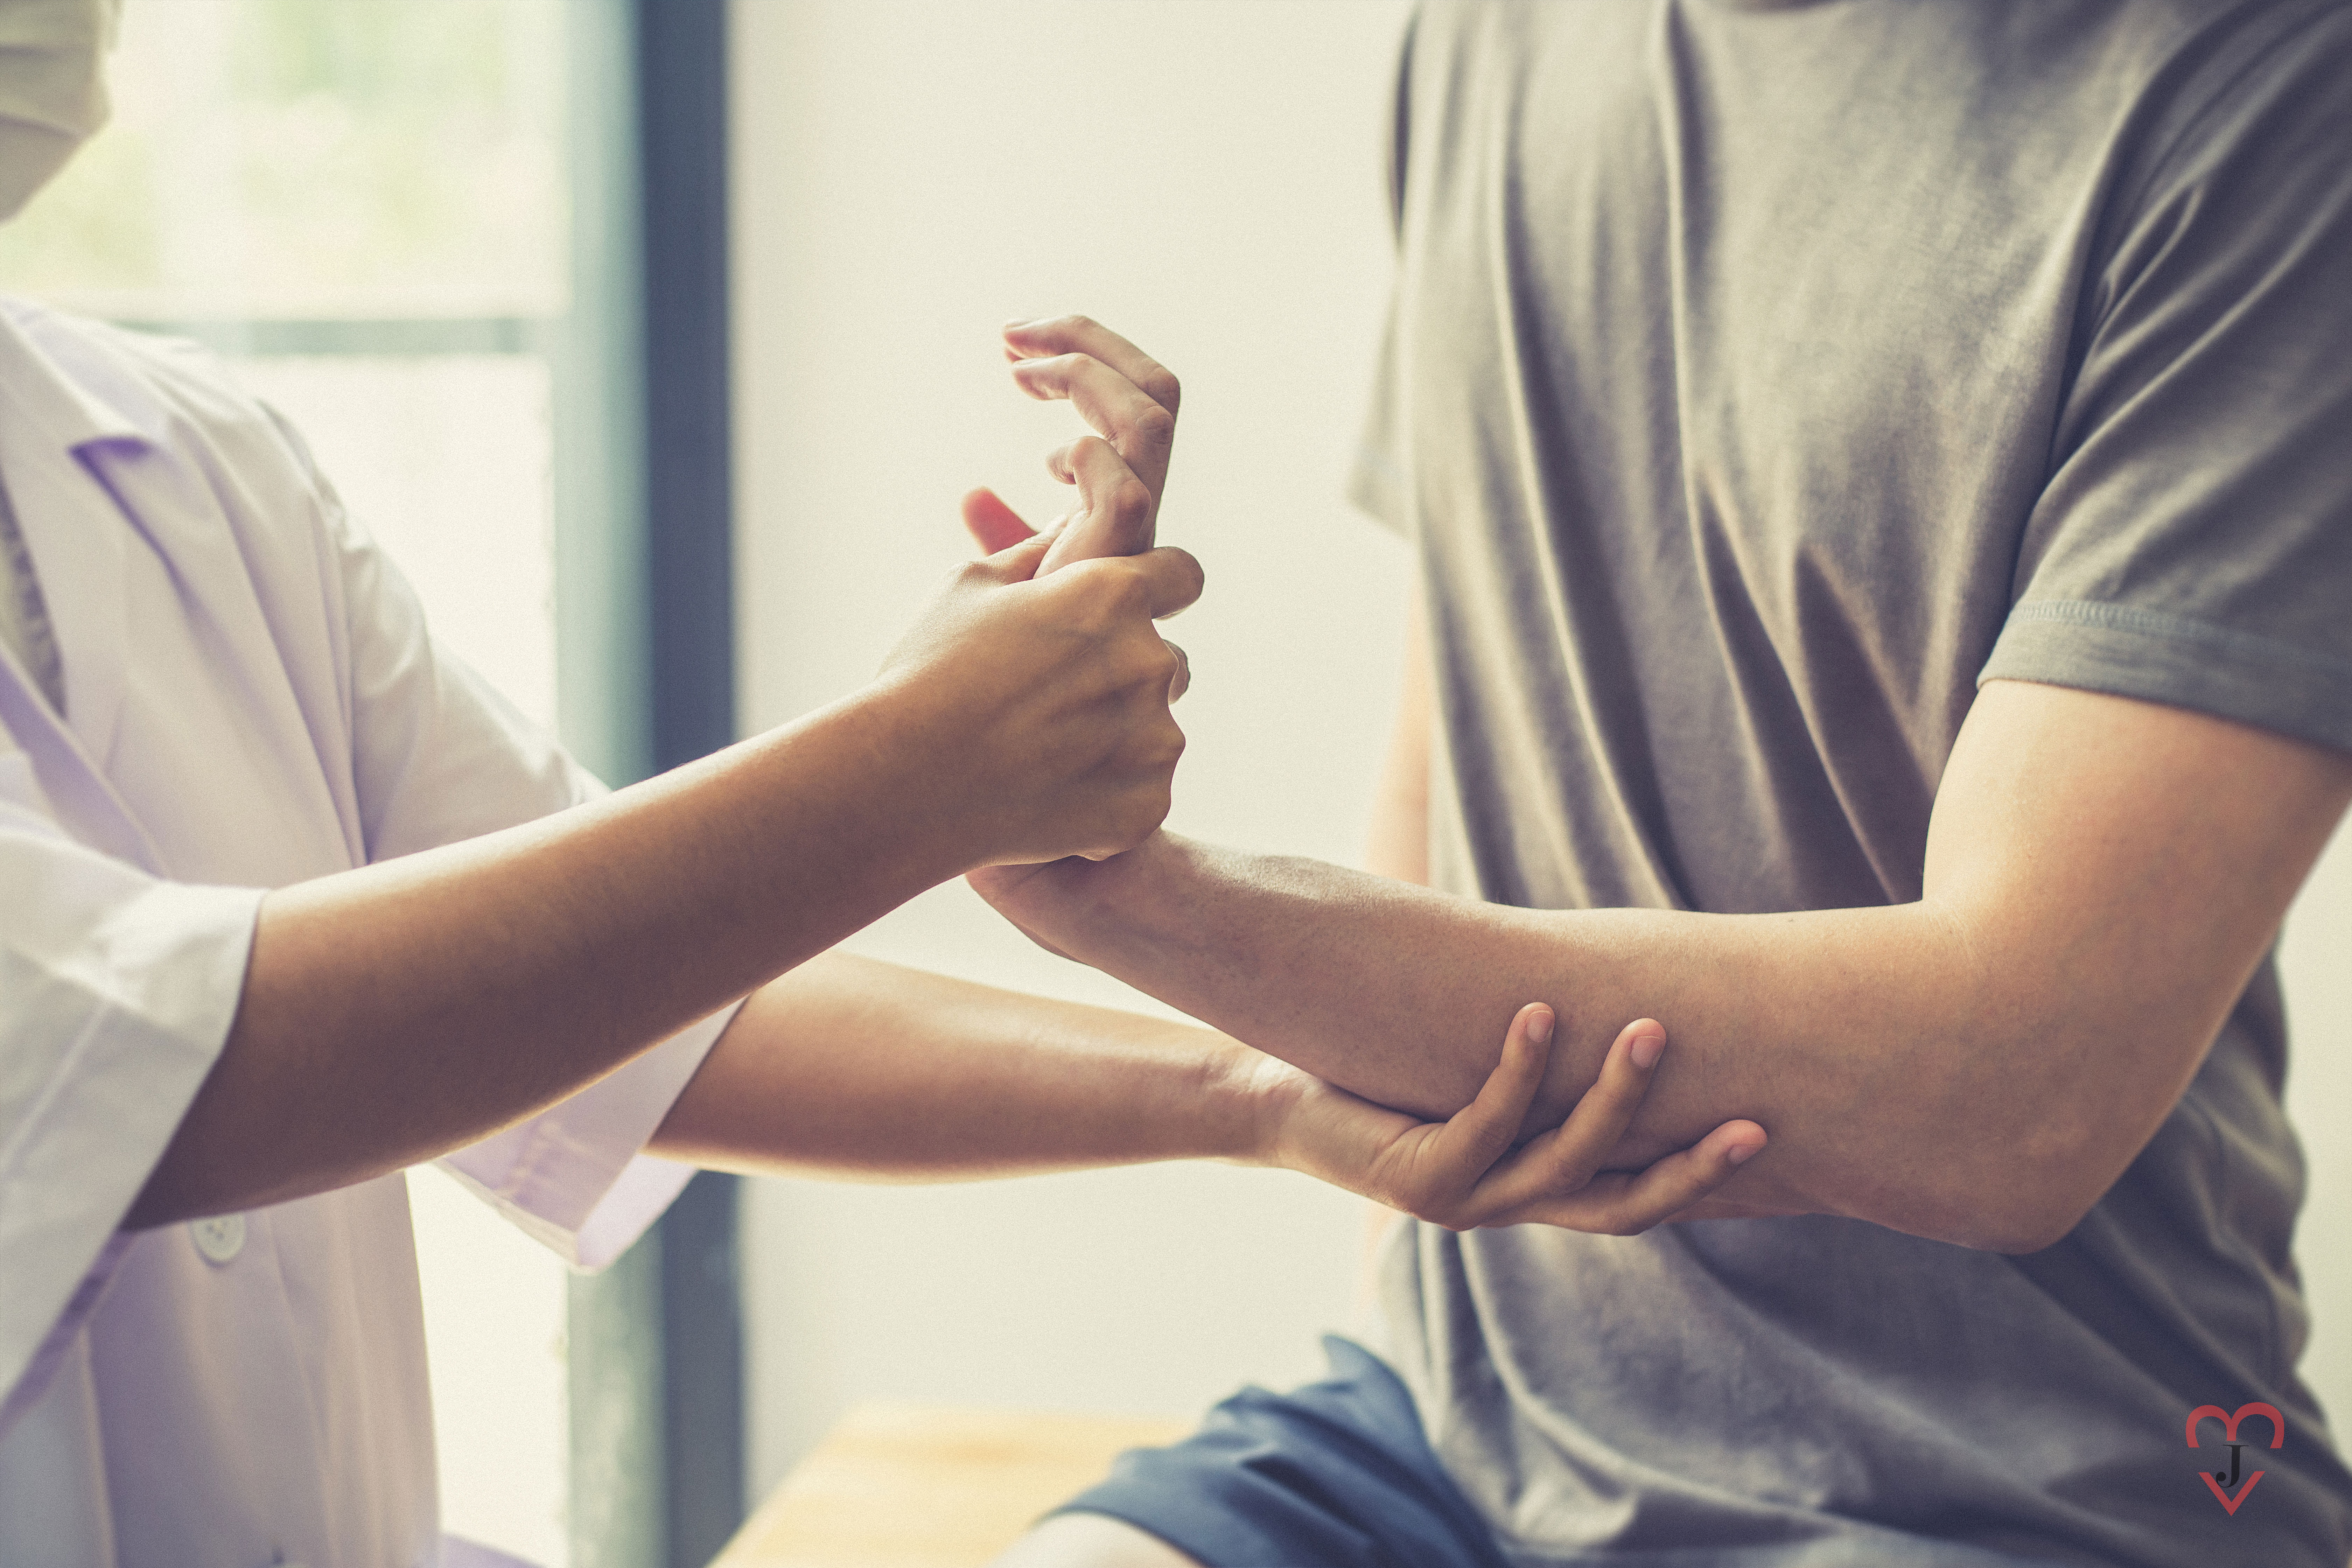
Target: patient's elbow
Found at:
x=1990, y=1222
x=2010, y=1153
x=2031, y=1227
x=2022, y=1198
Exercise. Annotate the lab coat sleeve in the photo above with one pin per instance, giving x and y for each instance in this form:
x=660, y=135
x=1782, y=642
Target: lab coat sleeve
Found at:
x=439, y=756
x=116, y=990
x=575, y=1176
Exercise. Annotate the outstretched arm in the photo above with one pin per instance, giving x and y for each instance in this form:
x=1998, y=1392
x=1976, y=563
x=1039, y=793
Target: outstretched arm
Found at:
x=2101, y=877
x=851, y=1068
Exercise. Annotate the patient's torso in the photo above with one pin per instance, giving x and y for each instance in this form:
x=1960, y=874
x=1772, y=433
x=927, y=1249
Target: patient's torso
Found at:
x=1758, y=379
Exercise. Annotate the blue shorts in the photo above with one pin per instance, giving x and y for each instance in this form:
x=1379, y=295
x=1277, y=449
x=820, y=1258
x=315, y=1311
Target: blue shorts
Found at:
x=1338, y=1475
x=1333, y=1475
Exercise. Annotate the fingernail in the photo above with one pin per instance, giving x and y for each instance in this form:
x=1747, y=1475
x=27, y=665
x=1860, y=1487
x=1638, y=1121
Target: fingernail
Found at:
x=1539, y=1028
x=1646, y=1049
x=1017, y=322
x=1738, y=1152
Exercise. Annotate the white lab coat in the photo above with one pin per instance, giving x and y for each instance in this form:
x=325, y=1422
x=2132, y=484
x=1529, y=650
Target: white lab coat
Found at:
x=251, y=699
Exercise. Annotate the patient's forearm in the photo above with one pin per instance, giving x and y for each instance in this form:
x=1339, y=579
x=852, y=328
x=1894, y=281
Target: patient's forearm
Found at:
x=1393, y=991
x=2101, y=878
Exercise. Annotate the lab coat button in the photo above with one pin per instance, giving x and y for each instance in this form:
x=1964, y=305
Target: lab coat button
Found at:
x=220, y=1237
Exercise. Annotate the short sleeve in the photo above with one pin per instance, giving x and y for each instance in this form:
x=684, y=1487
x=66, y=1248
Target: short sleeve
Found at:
x=2194, y=545
x=574, y=1176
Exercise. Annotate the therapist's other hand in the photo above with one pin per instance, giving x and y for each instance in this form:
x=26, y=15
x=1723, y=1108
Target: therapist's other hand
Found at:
x=1042, y=702
x=1464, y=1172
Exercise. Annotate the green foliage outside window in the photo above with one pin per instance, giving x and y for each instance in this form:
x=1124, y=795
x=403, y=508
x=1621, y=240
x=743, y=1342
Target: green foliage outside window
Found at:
x=275, y=159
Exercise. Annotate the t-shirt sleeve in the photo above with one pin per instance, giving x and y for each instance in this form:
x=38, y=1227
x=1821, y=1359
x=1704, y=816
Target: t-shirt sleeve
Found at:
x=2194, y=546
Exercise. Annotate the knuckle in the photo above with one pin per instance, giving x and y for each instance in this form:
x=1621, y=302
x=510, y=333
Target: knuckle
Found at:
x=1160, y=384
x=1131, y=500
x=1128, y=587
x=1155, y=423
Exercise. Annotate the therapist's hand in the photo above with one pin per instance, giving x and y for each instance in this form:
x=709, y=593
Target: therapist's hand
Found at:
x=1039, y=705
x=1464, y=1171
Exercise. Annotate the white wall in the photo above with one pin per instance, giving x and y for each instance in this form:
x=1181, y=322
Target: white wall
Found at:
x=1206, y=176
x=2316, y=958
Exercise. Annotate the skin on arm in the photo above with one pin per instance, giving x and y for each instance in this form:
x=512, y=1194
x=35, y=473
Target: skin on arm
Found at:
x=2101, y=877
x=1129, y=401
x=395, y=1012
x=1398, y=845
x=847, y=1067
x=851, y=1068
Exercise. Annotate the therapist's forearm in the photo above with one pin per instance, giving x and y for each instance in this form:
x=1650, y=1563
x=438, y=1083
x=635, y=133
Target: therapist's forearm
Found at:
x=392, y=1013
x=849, y=1067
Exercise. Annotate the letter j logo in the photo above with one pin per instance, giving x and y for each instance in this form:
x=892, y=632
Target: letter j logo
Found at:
x=2219, y=1482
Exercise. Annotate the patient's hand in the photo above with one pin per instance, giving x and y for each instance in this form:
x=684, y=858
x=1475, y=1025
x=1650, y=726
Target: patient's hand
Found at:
x=1463, y=1172
x=1130, y=399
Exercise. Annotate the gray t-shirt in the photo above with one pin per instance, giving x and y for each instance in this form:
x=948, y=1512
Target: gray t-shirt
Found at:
x=1759, y=380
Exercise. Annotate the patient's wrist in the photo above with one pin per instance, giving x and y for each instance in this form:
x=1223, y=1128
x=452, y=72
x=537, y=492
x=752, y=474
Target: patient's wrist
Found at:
x=1259, y=1099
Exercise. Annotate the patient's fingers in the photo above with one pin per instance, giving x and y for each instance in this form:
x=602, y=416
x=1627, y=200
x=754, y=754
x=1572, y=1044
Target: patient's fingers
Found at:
x=1127, y=396
x=1617, y=1204
x=1564, y=1159
x=1120, y=412
x=1080, y=334
x=994, y=524
x=1114, y=511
